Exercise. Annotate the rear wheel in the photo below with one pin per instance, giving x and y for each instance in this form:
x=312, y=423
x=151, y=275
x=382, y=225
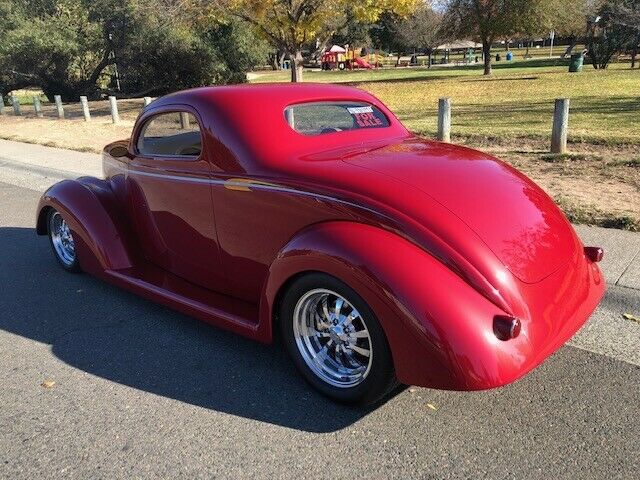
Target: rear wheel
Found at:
x=335, y=340
x=62, y=242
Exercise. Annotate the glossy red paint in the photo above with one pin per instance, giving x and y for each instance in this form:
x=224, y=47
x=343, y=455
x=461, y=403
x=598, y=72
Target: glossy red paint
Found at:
x=439, y=240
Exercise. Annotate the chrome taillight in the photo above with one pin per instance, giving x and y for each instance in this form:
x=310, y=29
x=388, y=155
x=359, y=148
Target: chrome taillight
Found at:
x=505, y=327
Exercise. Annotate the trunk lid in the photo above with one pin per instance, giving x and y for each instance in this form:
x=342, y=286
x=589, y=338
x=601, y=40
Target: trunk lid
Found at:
x=511, y=214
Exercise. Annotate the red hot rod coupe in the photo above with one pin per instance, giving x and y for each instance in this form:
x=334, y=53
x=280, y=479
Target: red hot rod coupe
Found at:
x=380, y=257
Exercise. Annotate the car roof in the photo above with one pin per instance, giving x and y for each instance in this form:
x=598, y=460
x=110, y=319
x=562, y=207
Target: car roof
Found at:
x=249, y=119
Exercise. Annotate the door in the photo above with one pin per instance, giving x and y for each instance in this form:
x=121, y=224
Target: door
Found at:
x=168, y=182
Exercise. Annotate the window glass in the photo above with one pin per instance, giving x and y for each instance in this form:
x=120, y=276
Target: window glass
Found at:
x=328, y=117
x=171, y=134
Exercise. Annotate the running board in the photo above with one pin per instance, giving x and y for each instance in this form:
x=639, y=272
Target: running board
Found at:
x=176, y=293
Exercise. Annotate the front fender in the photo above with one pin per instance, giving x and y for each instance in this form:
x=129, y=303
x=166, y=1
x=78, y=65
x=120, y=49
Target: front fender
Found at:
x=439, y=329
x=97, y=223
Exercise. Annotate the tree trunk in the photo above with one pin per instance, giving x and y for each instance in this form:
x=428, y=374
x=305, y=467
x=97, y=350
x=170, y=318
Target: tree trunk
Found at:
x=573, y=40
x=296, y=66
x=486, y=51
x=398, y=59
x=429, y=53
x=634, y=53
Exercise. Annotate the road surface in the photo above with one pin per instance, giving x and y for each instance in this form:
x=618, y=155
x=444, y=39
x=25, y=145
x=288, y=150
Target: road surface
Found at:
x=142, y=391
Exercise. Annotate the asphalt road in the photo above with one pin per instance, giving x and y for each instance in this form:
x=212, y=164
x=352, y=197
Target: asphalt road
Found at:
x=142, y=391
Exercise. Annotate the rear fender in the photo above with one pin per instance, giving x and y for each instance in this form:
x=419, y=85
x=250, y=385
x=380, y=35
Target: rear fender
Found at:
x=427, y=312
x=96, y=220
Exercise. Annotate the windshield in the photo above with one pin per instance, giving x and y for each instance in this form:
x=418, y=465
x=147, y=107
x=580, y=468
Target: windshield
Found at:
x=318, y=118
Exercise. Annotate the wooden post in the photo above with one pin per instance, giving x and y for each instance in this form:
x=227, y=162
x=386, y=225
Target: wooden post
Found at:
x=147, y=101
x=1, y=105
x=444, y=120
x=59, y=107
x=113, y=103
x=37, y=107
x=85, y=108
x=560, y=126
x=184, y=120
x=16, y=105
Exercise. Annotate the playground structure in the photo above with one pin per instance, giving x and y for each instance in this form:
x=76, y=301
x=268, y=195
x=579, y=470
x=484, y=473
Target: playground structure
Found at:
x=347, y=59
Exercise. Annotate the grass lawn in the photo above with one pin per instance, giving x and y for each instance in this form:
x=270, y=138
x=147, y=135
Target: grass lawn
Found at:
x=516, y=102
x=508, y=114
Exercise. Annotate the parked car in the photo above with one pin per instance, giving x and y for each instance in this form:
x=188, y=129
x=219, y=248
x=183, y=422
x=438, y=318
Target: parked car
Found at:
x=381, y=258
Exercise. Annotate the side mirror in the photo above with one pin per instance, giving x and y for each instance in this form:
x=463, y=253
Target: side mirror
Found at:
x=119, y=151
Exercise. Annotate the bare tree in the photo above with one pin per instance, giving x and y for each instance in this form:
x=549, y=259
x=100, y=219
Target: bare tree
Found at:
x=422, y=30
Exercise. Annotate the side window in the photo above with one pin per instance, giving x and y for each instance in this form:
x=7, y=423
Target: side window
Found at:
x=171, y=134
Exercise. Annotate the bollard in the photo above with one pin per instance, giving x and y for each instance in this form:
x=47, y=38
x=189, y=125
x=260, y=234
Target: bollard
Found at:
x=444, y=120
x=560, y=126
x=113, y=103
x=85, y=108
x=16, y=105
x=59, y=107
x=37, y=107
x=184, y=120
x=147, y=101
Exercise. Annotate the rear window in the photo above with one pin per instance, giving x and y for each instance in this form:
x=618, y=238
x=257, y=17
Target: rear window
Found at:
x=328, y=117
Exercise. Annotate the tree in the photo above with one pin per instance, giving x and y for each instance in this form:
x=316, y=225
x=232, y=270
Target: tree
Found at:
x=73, y=47
x=487, y=21
x=290, y=24
x=422, y=30
x=627, y=14
x=611, y=31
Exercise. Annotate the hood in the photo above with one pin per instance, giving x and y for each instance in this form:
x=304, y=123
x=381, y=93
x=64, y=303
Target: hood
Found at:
x=507, y=211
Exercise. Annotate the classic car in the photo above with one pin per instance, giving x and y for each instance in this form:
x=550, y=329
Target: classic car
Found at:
x=311, y=214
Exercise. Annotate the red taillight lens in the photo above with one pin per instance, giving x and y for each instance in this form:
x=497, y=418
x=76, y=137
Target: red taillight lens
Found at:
x=594, y=254
x=506, y=328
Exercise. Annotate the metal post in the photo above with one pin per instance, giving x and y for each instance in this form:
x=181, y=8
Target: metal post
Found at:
x=560, y=126
x=113, y=103
x=85, y=108
x=16, y=105
x=59, y=107
x=184, y=120
x=146, y=101
x=444, y=120
x=37, y=107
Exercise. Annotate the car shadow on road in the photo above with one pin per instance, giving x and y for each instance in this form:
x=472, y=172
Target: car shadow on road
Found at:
x=115, y=335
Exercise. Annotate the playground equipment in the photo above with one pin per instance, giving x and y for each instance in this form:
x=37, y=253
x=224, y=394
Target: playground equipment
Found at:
x=343, y=59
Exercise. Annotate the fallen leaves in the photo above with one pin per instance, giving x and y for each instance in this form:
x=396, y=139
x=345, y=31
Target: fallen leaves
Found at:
x=633, y=318
x=48, y=383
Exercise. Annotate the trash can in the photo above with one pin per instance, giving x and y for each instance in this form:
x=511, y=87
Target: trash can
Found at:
x=577, y=60
x=509, y=56
x=498, y=58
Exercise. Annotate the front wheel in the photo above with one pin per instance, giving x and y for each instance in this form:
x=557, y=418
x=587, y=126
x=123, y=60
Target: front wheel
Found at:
x=336, y=341
x=62, y=242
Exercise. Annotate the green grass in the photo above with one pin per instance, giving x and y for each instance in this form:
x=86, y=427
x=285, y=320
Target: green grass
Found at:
x=516, y=103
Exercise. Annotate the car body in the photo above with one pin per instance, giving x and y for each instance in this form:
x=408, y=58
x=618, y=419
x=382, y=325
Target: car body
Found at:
x=473, y=273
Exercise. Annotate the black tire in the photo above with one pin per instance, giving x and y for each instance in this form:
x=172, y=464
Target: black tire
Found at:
x=74, y=265
x=380, y=380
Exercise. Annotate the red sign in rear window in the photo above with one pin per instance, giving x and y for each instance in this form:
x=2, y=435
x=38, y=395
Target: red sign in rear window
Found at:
x=329, y=117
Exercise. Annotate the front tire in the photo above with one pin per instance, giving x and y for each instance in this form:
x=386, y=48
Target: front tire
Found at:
x=335, y=340
x=62, y=242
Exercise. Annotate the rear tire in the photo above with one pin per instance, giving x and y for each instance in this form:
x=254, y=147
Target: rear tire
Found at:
x=62, y=242
x=335, y=340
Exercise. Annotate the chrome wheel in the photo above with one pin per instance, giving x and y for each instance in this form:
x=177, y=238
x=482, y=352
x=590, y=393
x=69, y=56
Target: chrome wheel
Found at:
x=62, y=240
x=332, y=338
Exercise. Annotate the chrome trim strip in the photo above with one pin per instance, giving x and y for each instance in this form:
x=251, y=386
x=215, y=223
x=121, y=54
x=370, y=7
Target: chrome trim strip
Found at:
x=253, y=186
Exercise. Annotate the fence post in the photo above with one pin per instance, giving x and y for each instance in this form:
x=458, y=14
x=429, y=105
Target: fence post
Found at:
x=16, y=105
x=444, y=120
x=37, y=107
x=115, y=117
x=59, y=107
x=85, y=108
x=184, y=120
x=560, y=126
x=147, y=101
